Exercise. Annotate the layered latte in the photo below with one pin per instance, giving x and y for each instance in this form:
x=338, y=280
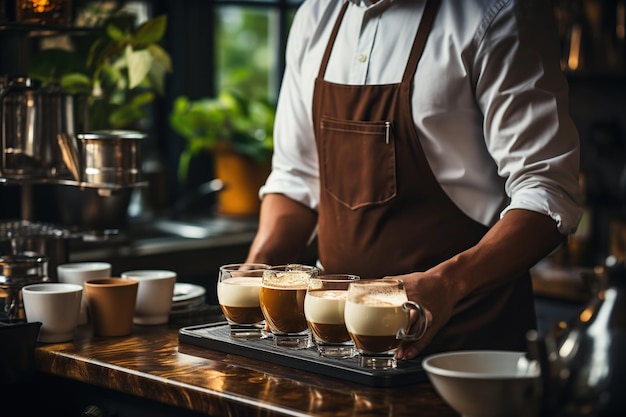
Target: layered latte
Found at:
x=239, y=299
x=324, y=311
x=282, y=301
x=373, y=321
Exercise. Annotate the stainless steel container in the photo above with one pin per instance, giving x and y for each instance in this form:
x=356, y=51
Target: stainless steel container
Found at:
x=22, y=153
x=111, y=157
x=31, y=119
x=583, y=366
x=16, y=271
x=23, y=237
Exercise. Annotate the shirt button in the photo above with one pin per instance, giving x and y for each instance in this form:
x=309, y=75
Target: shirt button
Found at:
x=362, y=58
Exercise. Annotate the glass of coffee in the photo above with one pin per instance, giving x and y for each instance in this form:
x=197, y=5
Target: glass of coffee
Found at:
x=282, y=302
x=324, y=306
x=238, y=289
x=378, y=318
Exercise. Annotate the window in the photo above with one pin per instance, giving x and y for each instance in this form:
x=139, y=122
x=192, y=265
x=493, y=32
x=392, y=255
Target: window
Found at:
x=246, y=55
x=216, y=45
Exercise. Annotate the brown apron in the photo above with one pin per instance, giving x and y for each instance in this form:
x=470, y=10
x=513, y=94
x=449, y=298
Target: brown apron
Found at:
x=382, y=211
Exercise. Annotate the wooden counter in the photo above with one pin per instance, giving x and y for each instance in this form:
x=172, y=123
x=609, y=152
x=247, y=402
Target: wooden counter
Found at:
x=179, y=379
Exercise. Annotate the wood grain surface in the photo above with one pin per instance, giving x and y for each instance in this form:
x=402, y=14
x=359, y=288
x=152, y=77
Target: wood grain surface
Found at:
x=152, y=364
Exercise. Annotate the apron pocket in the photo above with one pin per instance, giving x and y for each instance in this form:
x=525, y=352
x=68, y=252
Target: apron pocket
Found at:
x=358, y=161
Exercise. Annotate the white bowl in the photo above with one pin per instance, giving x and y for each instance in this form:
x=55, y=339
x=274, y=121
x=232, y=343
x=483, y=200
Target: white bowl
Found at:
x=485, y=383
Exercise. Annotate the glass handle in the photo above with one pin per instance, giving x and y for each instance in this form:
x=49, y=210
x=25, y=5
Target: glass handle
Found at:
x=421, y=325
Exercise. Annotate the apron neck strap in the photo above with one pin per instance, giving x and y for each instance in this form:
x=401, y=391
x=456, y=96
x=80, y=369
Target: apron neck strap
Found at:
x=331, y=41
x=430, y=11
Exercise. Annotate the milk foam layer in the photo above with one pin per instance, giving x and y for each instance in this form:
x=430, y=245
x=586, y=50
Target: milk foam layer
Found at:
x=239, y=292
x=381, y=300
x=325, y=307
x=375, y=319
x=291, y=279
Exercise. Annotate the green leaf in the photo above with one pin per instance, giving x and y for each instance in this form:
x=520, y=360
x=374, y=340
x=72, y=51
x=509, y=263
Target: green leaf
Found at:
x=156, y=78
x=142, y=99
x=110, y=78
x=139, y=63
x=150, y=32
x=161, y=56
x=103, y=53
x=115, y=32
x=76, y=84
x=125, y=116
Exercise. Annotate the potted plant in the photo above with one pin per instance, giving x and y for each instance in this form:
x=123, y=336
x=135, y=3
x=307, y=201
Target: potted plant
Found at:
x=118, y=72
x=237, y=131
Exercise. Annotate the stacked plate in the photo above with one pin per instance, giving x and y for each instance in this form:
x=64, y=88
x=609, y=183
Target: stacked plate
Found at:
x=187, y=298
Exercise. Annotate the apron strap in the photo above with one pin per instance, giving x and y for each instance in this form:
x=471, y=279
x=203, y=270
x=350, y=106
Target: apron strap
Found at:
x=331, y=41
x=430, y=11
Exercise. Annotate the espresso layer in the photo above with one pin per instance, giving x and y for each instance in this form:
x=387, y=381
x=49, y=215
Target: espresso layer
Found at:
x=374, y=344
x=242, y=315
x=329, y=333
x=283, y=309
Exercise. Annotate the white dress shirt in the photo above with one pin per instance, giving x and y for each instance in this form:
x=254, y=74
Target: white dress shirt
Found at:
x=489, y=101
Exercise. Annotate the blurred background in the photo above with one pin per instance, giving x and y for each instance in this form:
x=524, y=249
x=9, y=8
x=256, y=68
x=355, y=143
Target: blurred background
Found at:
x=229, y=55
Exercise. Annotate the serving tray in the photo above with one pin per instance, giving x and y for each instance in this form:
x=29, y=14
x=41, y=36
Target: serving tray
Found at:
x=216, y=336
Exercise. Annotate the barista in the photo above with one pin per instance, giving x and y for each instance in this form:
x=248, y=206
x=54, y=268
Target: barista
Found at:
x=427, y=141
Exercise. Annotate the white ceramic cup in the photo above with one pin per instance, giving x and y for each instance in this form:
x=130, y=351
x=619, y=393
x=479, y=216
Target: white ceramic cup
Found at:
x=154, y=295
x=78, y=273
x=56, y=306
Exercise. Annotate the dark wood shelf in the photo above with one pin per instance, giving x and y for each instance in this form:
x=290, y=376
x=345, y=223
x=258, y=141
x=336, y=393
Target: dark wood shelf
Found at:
x=42, y=30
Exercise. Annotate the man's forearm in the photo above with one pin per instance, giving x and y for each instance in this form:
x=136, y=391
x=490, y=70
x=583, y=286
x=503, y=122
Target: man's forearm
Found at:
x=516, y=243
x=285, y=228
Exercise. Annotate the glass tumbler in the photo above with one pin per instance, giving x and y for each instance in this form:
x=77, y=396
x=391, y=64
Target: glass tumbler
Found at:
x=324, y=306
x=238, y=289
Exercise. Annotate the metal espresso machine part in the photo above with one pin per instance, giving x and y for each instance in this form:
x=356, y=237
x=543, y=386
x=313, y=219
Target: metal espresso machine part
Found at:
x=107, y=166
x=17, y=271
x=583, y=361
x=29, y=253
x=31, y=117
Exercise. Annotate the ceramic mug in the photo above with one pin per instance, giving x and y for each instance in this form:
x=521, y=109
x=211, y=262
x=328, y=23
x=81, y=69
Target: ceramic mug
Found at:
x=112, y=305
x=57, y=306
x=78, y=273
x=154, y=295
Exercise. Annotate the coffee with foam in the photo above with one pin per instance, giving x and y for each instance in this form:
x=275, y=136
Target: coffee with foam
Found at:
x=324, y=311
x=374, y=315
x=282, y=300
x=239, y=299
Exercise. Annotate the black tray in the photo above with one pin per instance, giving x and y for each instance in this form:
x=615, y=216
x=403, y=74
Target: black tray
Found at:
x=216, y=336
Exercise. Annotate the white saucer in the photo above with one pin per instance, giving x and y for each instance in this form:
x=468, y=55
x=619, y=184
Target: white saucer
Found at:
x=187, y=294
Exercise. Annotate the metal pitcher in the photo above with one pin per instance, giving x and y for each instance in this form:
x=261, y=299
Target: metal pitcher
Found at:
x=104, y=158
x=22, y=153
x=31, y=118
x=583, y=362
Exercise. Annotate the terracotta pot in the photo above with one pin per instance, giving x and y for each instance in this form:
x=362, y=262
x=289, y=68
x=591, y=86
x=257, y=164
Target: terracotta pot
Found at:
x=242, y=178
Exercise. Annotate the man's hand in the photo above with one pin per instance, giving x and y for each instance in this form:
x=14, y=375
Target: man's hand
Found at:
x=427, y=290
